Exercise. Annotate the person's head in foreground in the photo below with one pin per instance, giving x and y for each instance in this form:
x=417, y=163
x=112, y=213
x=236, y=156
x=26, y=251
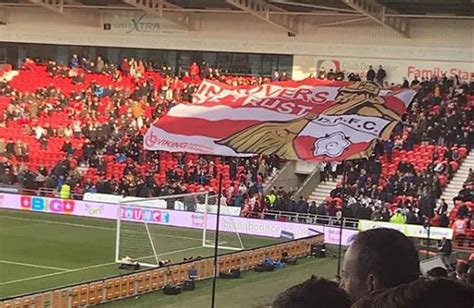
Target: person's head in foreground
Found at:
x=437, y=272
x=435, y=293
x=314, y=292
x=378, y=259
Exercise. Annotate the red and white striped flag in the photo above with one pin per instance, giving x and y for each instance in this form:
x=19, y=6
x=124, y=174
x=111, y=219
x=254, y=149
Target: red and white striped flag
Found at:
x=311, y=120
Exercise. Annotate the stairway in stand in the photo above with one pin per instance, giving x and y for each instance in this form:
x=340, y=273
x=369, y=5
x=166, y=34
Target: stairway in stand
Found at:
x=455, y=185
x=323, y=190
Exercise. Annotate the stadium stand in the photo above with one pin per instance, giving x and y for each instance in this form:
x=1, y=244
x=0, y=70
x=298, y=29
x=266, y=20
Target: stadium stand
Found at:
x=78, y=129
x=86, y=131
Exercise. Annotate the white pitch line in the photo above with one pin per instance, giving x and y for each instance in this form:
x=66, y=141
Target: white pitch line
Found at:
x=57, y=222
x=88, y=268
x=35, y=265
x=92, y=227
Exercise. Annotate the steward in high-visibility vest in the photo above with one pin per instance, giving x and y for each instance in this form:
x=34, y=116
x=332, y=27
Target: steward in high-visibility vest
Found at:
x=65, y=192
x=398, y=218
x=271, y=199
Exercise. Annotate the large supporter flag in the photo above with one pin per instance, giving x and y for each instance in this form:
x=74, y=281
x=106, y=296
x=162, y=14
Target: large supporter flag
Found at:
x=309, y=120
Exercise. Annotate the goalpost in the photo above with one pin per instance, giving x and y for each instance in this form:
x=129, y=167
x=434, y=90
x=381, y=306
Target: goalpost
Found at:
x=139, y=232
x=226, y=238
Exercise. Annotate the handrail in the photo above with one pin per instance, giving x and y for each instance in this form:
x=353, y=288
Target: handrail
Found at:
x=270, y=184
x=307, y=180
x=348, y=223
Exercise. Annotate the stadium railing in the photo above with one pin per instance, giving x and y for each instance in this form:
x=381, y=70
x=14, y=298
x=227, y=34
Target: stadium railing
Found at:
x=349, y=223
x=149, y=280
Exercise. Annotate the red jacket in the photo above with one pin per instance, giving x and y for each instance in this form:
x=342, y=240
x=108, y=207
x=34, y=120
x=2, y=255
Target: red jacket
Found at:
x=194, y=69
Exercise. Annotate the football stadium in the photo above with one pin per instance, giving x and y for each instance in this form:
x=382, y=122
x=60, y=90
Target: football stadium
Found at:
x=236, y=153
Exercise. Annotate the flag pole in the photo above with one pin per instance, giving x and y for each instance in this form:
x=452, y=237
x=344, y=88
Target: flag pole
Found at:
x=216, y=243
x=343, y=196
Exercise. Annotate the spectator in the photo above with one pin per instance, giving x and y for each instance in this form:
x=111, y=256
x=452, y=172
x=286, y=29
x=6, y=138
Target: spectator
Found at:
x=322, y=73
x=2, y=147
x=276, y=76
x=445, y=249
x=314, y=292
x=100, y=64
x=436, y=293
x=302, y=208
x=437, y=272
x=194, y=71
x=398, y=218
x=339, y=75
x=74, y=62
x=381, y=74
x=443, y=207
x=373, y=260
x=460, y=230
x=370, y=74
x=405, y=83
x=22, y=151
x=463, y=211
x=415, y=82
x=331, y=75
x=125, y=67
x=10, y=148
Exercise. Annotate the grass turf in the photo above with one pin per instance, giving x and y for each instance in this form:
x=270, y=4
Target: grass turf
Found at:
x=252, y=290
x=40, y=251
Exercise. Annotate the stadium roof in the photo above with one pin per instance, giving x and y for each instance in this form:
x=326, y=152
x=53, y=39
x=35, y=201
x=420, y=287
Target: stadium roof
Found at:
x=392, y=14
x=416, y=8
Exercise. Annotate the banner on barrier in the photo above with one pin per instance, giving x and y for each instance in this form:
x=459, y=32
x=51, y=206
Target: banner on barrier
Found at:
x=158, y=203
x=418, y=231
x=195, y=220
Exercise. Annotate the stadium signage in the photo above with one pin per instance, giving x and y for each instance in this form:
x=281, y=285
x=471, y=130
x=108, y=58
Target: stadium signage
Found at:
x=134, y=24
x=259, y=227
x=417, y=231
x=42, y=204
x=141, y=23
x=396, y=69
x=146, y=215
x=94, y=210
x=414, y=71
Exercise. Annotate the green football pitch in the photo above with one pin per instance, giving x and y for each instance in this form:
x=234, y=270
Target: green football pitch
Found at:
x=40, y=251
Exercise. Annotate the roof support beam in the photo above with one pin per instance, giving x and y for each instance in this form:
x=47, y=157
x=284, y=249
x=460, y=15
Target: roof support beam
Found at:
x=378, y=13
x=155, y=7
x=341, y=22
x=314, y=6
x=262, y=10
x=52, y=5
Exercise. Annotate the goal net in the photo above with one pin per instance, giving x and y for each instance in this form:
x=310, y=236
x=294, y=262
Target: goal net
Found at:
x=229, y=237
x=142, y=235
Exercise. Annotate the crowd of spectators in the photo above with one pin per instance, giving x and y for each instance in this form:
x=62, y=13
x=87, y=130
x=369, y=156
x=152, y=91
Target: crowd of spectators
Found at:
x=405, y=175
x=370, y=75
x=92, y=115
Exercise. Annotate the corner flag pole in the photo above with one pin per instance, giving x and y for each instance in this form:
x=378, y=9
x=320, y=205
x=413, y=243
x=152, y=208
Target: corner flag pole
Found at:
x=343, y=196
x=216, y=242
